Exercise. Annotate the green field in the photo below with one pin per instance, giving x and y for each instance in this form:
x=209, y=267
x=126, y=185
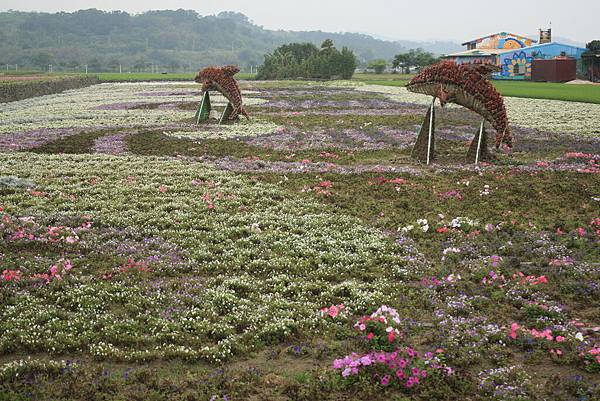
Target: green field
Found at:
x=532, y=90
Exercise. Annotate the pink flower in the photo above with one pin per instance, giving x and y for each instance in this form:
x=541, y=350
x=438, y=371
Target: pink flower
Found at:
x=400, y=374
x=333, y=311
x=11, y=275
x=560, y=339
x=391, y=336
x=513, y=331
x=370, y=336
x=162, y=189
x=385, y=380
x=402, y=363
x=581, y=232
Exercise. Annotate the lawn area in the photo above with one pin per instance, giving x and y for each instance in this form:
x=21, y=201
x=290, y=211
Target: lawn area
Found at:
x=300, y=255
x=534, y=90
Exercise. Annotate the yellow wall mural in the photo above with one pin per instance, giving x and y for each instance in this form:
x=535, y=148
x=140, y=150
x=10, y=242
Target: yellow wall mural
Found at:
x=504, y=40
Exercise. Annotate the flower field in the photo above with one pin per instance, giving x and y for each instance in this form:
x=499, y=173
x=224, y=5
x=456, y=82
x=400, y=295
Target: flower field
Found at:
x=301, y=255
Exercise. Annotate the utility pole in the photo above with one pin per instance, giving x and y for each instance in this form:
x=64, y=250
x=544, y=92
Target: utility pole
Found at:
x=86, y=69
x=120, y=69
x=50, y=68
x=16, y=67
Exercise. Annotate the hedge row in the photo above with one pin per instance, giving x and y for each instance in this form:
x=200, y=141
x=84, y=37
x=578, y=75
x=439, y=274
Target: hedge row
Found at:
x=19, y=90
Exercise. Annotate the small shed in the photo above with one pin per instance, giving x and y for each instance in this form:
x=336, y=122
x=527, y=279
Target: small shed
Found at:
x=561, y=69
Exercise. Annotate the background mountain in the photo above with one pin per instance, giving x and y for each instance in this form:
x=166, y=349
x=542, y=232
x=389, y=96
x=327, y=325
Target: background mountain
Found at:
x=175, y=40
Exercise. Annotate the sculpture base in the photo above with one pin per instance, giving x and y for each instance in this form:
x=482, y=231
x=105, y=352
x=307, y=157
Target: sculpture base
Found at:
x=226, y=114
x=482, y=145
x=203, y=112
x=426, y=145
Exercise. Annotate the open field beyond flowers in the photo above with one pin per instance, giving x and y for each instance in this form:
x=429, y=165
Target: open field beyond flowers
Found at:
x=301, y=255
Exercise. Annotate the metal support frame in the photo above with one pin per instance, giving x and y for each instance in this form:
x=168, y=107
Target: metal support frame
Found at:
x=430, y=131
x=479, y=139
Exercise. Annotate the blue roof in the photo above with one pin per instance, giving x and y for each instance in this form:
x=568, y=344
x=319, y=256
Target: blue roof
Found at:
x=544, y=45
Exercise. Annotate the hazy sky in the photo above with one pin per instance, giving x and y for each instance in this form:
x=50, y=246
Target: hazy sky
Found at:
x=393, y=19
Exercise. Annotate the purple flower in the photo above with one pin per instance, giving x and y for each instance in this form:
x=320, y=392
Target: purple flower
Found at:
x=338, y=363
x=366, y=360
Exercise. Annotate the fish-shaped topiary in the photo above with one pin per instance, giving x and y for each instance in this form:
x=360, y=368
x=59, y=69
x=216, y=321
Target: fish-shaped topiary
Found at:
x=467, y=85
x=221, y=79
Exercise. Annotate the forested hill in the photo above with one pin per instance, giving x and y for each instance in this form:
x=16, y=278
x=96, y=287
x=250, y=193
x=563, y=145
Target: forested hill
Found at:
x=175, y=40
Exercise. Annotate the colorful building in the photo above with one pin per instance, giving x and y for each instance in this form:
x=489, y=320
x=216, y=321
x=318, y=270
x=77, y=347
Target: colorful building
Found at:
x=514, y=54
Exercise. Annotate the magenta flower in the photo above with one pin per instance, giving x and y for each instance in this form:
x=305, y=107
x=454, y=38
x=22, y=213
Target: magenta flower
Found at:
x=385, y=380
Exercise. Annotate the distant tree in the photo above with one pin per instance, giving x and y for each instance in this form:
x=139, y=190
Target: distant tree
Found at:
x=113, y=64
x=414, y=58
x=42, y=60
x=327, y=44
x=402, y=61
x=347, y=63
x=593, y=47
x=95, y=65
x=377, y=65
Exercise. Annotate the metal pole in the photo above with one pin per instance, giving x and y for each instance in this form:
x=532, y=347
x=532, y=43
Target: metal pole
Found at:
x=479, y=142
x=430, y=131
x=120, y=69
x=86, y=69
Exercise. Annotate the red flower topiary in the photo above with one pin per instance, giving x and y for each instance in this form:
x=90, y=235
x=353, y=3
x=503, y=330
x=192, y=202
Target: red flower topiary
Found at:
x=221, y=79
x=467, y=85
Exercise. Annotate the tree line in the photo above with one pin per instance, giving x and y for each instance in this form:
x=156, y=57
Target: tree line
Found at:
x=305, y=60
x=414, y=58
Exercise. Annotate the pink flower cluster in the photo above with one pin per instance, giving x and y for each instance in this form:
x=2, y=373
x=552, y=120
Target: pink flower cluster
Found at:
x=382, y=180
x=494, y=279
x=531, y=280
x=26, y=229
x=592, y=355
x=405, y=366
x=453, y=194
x=323, y=188
x=11, y=275
x=379, y=322
x=57, y=271
x=333, y=311
x=543, y=335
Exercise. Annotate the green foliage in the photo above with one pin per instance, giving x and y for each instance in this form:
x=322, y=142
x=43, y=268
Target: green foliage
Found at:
x=414, y=58
x=377, y=65
x=593, y=47
x=305, y=60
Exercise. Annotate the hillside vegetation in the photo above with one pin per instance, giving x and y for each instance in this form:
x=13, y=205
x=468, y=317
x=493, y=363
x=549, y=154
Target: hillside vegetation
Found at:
x=180, y=40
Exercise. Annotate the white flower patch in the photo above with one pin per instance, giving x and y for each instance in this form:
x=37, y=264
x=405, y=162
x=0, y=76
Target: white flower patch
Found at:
x=243, y=128
x=93, y=107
